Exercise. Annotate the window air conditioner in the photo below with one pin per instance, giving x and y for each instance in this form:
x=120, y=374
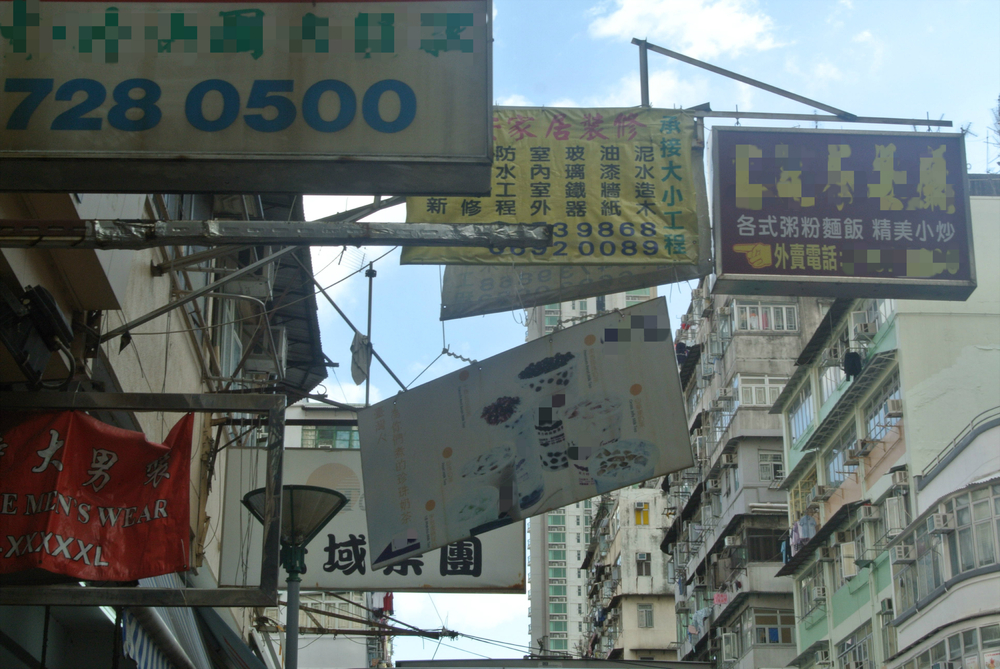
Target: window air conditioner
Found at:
x=823, y=658
x=697, y=294
x=894, y=409
x=868, y=514
x=733, y=540
x=819, y=592
x=865, y=446
x=941, y=523
x=642, y=557
x=707, y=370
x=900, y=478
x=861, y=328
x=886, y=607
x=683, y=607
x=713, y=485
x=821, y=493
x=640, y=506
x=843, y=537
x=723, y=311
x=719, y=405
x=826, y=554
x=725, y=394
x=729, y=460
x=851, y=457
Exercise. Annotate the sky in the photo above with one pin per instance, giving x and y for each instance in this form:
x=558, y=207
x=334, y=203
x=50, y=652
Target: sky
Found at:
x=890, y=58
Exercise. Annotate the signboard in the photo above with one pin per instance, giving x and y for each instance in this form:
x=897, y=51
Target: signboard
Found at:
x=319, y=97
x=845, y=214
x=93, y=501
x=340, y=557
x=586, y=410
x=615, y=184
x=472, y=290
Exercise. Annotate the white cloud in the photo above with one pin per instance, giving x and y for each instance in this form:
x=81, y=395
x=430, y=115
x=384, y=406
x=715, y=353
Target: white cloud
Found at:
x=877, y=48
x=697, y=28
x=666, y=90
x=515, y=100
x=828, y=71
x=864, y=36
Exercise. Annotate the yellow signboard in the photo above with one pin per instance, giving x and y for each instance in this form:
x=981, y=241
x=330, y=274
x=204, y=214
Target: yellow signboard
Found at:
x=616, y=185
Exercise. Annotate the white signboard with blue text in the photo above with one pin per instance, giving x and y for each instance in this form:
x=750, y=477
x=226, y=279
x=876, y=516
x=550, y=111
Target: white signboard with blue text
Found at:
x=318, y=97
x=340, y=557
x=560, y=419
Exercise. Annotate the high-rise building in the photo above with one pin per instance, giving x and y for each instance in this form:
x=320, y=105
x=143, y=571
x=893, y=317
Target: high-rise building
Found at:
x=726, y=515
x=893, y=471
x=558, y=540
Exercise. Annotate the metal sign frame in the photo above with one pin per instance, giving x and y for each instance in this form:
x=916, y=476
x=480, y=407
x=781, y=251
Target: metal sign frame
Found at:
x=264, y=593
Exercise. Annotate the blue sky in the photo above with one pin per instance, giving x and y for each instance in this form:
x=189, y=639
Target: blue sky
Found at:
x=893, y=58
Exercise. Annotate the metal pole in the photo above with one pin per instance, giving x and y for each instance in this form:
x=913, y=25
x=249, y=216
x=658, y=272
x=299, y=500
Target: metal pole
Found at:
x=644, y=73
x=370, y=273
x=292, y=622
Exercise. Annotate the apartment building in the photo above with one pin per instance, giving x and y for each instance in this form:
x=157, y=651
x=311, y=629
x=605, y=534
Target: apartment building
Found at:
x=558, y=540
x=180, y=320
x=892, y=488
x=727, y=515
x=630, y=582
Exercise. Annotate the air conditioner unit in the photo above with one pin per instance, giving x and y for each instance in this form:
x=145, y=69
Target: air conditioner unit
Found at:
x=832, y=357
x=848, y=555
x=843, y=537
x=713, y=485
x=823, y=658
x=729, y=460
x=821, y=493
x=723, y=311
x=683, y=607
x=894, y=409
x=886, y=607
x=640, y=506
x=819, y=592
x=941, y=523
x=720, y=405
x=699, y=583
x=725, y=394
x=865, y=446
x=268, y=360
x=697, y=294
x=900, y=478
x=707, y=370
x=861, y=328
x=826, y=554
x=687, y=319
x=868, y=514
x=642, y=557
x=733, y=540
x=851, y=457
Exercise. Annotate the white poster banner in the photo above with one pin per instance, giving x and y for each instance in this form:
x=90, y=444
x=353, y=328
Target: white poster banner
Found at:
x=583, y=411
x=340, y=557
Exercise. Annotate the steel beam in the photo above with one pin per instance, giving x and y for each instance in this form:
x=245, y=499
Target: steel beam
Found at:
x=819, y=118
x=264, y=594
x=141, y=234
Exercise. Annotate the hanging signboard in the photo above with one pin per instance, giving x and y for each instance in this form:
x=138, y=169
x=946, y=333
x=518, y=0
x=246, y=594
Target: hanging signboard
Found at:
x=845, y=214
x=615, y=184
x=340, y=557
x=560, y=419
x=318, y=97
x=92, y=501
x=472, y=290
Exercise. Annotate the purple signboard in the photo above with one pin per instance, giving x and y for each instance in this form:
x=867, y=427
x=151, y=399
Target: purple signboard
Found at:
x=846, y=214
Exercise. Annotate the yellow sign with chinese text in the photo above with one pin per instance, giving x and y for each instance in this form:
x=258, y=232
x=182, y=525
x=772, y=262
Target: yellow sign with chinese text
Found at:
x=616, y=185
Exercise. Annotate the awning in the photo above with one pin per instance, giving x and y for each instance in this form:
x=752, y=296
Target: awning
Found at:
x=227, y=649
x=818, y=540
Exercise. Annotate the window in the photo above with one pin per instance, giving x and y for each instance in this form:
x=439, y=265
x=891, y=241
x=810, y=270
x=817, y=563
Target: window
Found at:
x=579, y=591
x=578, y=520
x=833, y=376
x=774, y=627
x=557, y=537
x=835, y=460
x=642, y=513
x=557, y=555
x=579, y=608
x=877, y=422
x=601, y=306
x=551, y=321
x=558, y=644
x=764, y=545
x=643, y=564
x=587, y=504
x=645, y=612
x=557, y=591
x=855, y=650
x=812, y=579
x=973, y=543
x=757, y=390
x=557, y=626
x=800, y=413
x=552, y=307
x=557, y=519
x=757, y=317
x=586, y=521
x=578, y=537
x=772, y=467
x=557, y=608
x=330, y=437
x=557, y=572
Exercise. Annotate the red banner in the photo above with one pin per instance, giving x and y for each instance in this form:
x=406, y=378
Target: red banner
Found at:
x=92, y=501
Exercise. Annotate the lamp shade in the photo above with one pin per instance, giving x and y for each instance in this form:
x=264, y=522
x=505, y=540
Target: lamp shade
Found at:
x=305, y=510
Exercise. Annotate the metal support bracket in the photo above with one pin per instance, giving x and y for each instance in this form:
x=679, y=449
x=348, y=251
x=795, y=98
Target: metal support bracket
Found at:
x=263, y=594
x=141, y=234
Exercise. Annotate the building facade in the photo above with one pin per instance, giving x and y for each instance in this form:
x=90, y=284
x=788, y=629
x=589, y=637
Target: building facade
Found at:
x=557, y=541
x=892, y=497
x=153, y=321
x=727, y=515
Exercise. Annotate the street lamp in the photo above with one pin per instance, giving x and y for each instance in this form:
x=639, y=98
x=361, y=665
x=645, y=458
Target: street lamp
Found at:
x=305, y=510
